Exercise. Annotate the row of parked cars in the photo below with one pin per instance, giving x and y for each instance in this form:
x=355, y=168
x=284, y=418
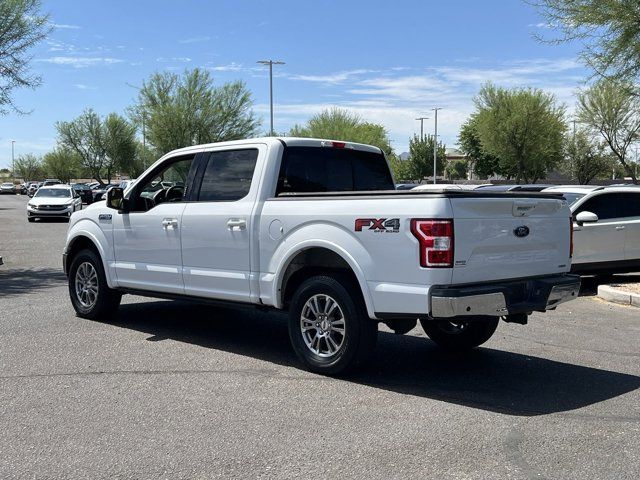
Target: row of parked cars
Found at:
x=89, y=192
x=52, y=198
x=606, y=221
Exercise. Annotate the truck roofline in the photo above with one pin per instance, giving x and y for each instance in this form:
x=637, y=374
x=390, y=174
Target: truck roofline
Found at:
x=286, y=141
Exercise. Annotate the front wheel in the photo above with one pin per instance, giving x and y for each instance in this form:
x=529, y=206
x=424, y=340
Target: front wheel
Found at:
x=90, y=295
x=459, y=335
x=329, y=328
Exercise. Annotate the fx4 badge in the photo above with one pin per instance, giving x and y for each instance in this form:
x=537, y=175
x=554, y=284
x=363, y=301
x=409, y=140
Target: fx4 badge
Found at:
x=391, y=225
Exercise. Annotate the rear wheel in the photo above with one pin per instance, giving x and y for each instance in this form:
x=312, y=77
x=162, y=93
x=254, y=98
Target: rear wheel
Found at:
x=459, y=335
x=329, y=328
x=90, y=295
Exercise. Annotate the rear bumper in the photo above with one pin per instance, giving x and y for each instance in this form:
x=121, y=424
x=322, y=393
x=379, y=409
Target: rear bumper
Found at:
x=504, y=298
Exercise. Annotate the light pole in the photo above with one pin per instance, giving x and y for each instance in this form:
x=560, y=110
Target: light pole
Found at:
x=435, y=143
x=271, y=63
x=422, y=119
x=13, y=162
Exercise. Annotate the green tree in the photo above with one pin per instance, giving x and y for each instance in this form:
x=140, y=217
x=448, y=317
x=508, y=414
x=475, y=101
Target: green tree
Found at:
x=28, y=167
x=22, y=26
x=457, y=169
x=340, y=124
x=85, y=136
x=484, y=164
x=421, y=157
x=179, y=111
x=144, y=157
x=584, y=158
x=612, y=108
x=524, y=128
x=62, y=163
x=402, y=170
x=608, y=29
x=120, y=144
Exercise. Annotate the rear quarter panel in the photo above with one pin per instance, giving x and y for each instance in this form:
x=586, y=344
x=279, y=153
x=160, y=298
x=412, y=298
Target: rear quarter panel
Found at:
x=386, y=262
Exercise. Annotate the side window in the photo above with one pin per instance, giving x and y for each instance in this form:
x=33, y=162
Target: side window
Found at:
x=167, y=185
x=603, y=205
x=629, y=204
x=228, y=175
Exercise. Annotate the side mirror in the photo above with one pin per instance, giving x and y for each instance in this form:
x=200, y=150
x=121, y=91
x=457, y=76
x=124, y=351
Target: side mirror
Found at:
x=586, y=217
x=115, y=198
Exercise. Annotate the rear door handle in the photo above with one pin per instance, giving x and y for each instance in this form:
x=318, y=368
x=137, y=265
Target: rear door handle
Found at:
x=620, y=227
x=236, y=224
x=170, y=223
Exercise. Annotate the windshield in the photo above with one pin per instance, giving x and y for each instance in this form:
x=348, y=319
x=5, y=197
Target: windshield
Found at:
x=53, y=192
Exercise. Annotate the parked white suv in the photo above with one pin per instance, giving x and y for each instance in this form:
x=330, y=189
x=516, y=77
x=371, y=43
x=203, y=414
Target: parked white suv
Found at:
x=606, y=227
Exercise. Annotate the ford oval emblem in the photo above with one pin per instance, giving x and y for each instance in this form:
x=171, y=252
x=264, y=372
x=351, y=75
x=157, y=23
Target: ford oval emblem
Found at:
x=521, y=231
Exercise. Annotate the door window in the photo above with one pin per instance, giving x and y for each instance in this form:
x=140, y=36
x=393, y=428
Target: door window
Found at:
x=629, y=204
x=228, y=175
x=167, y=185
x=605, y=206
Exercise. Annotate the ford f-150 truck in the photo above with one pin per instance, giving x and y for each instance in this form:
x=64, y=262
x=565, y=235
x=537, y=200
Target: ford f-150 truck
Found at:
x=315, y=227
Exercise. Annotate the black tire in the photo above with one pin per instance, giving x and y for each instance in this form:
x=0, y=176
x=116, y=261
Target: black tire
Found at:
x=31, y=219
x=458, y=336
x=353, y=347
x=106, y=300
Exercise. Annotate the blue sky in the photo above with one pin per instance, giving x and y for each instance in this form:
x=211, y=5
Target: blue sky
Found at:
x=389, y=61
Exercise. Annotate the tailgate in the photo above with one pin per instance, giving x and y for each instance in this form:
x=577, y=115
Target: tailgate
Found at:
x=509, y=237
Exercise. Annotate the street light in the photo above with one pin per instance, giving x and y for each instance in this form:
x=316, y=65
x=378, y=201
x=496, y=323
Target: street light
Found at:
x=13, y=162
x=422, y=119
x=435, y=143
x=271, y=63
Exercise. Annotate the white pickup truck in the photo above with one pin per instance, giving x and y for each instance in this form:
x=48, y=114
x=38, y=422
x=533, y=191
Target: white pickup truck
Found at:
x=315, y=227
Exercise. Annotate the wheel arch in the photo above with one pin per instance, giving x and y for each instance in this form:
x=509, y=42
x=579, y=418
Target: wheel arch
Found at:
x=316, y=257
x=80, y=239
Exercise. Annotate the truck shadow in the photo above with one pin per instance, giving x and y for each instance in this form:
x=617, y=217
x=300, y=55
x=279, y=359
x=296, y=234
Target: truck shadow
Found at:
x=20, y=281
x=488, y=379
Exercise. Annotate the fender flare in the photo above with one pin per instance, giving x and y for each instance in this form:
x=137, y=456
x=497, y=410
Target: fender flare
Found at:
x=293, y=251
x=89, y=230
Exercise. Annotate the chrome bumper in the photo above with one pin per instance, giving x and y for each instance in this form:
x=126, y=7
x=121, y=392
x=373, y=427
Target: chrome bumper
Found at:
x=505, y=298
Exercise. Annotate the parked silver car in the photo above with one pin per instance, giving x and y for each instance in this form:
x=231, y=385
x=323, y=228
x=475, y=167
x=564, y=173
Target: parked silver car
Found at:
x=8, y=187
x=606, y=226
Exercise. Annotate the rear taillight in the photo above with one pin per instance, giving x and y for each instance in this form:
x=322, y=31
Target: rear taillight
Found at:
x=435, y=238
x=571, y=237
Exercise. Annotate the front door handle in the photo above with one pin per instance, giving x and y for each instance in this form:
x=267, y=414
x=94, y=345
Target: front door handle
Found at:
x=236, y=224
x=620, y=227
x=170, y=223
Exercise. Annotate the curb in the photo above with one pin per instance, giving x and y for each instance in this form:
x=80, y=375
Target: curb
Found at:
x=615, y=295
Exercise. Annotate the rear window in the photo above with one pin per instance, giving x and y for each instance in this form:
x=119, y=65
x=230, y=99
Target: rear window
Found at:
x=318, y=169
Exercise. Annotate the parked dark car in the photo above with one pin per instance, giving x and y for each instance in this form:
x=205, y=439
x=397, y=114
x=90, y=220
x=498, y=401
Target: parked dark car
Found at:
x=85, y=192
x=101, y=192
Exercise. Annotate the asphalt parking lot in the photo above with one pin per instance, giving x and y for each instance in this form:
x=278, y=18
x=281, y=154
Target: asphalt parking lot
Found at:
x=178, y=390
